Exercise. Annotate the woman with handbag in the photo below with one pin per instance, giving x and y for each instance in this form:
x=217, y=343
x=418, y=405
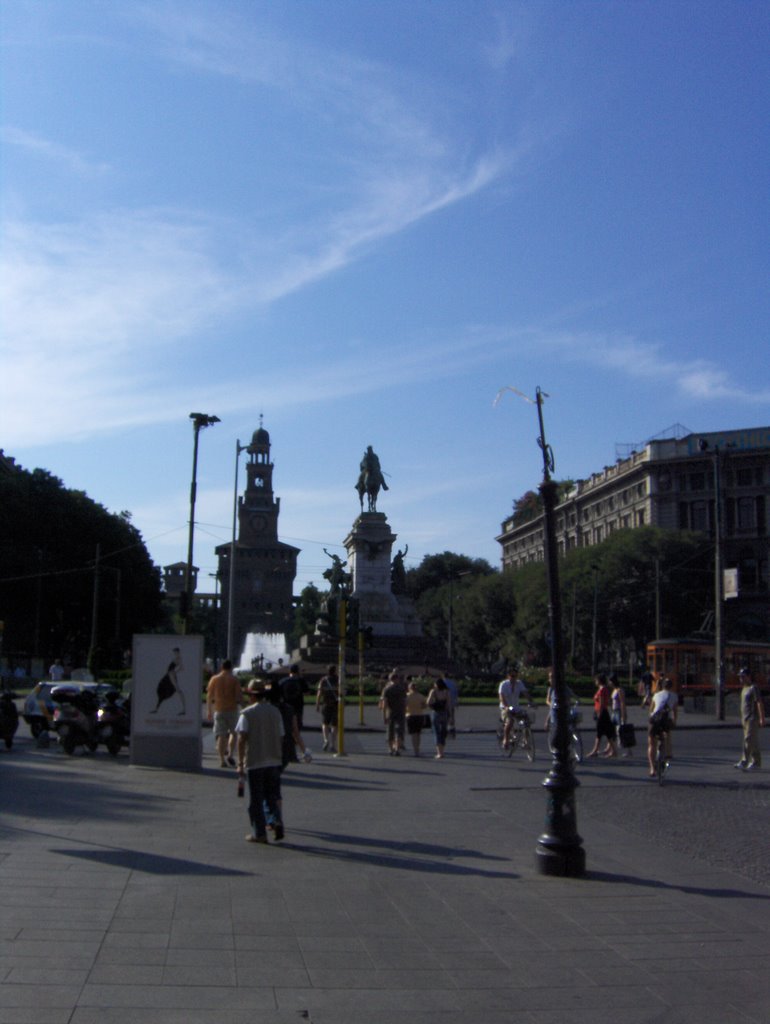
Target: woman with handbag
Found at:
x=416, y=717
x=618, y=713
x=604, y=726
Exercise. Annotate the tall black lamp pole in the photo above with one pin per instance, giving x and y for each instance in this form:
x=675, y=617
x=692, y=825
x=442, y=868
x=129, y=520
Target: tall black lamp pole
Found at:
x=719, y=640
x=231, y=578
x=200, y=420
x=560, y=848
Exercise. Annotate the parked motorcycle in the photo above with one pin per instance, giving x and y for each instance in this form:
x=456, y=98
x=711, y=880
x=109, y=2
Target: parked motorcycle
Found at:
x=75, y=718
x=9, y=717
x=114, y=722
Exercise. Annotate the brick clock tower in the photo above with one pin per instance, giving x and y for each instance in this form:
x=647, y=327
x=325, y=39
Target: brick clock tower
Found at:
x=265, y=567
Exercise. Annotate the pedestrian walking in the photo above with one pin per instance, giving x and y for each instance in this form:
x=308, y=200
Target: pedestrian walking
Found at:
x=394, y=700
x=260, y=755
x=223, y=701
x=752, y=720
x=439, y=702
x=327, y=703
x=618, y=712
x=645, y=688
x=416, y=715
x=604, y=727
x=292, y=689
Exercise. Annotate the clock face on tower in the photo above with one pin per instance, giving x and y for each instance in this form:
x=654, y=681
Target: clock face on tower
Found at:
x=258, y=523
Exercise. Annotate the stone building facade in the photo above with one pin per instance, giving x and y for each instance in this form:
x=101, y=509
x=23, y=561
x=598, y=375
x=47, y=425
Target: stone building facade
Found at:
x=671, y=483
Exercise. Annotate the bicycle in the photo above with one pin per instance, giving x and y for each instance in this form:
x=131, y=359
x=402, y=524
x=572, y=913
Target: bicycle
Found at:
x=575, y=739
x=520, y=736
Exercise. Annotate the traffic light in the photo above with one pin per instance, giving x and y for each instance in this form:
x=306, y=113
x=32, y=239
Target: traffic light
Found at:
x=352, y=618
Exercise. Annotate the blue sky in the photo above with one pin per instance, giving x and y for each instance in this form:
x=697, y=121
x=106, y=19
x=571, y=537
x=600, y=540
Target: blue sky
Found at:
x=362, y=220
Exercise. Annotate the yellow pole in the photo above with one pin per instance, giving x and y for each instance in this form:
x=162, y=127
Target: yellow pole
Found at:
x=360, y=677
x=341, y=626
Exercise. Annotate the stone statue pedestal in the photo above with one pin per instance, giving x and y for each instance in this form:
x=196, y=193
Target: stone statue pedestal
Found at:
x=369, y=545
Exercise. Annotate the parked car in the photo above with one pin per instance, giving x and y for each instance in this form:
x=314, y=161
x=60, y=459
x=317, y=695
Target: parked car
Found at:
x=39, y=709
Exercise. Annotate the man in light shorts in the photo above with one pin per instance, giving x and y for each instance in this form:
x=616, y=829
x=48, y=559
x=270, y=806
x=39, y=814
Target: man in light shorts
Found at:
x=223, y=701
x=509, y=694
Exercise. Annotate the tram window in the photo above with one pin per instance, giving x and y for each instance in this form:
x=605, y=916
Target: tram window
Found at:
x=688, y=668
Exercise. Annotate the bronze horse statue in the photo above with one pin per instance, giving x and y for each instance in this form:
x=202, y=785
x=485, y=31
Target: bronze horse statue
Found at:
x=370, y=480
x=371, y=489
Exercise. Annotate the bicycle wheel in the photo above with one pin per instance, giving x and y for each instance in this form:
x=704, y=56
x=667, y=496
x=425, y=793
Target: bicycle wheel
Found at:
x=528, y=743
x=577, y=746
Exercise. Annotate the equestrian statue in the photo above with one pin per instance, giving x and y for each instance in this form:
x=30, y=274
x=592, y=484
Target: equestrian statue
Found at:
x=370, y=480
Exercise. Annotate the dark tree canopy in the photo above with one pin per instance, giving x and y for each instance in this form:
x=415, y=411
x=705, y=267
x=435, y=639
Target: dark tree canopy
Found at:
x=48, y=546
x=530, y=505
x=436, y=570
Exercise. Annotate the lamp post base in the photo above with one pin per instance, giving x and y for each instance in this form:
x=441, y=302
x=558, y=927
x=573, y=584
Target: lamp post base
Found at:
x=560, y=861
x=560, y=849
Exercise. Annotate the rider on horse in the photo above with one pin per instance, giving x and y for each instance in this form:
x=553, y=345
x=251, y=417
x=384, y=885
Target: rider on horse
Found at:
x=370, y=479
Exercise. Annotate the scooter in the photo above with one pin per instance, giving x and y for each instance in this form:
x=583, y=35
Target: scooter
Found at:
x=74, y=719
x=114, y=722
x=9, y=718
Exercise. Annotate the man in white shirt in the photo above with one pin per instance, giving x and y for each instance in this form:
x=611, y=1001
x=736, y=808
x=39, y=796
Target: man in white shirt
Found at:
x=260, y=753
x=663, y=711
x=509, y=693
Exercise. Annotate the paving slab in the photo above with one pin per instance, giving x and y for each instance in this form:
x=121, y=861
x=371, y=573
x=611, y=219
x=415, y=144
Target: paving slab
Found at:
x=406, y=888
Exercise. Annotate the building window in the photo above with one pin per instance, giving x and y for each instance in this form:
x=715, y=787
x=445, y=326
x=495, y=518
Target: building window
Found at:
x=640, y=517
x=746, y=514
x=745, y=477
x=697, y=481
x=699, y=517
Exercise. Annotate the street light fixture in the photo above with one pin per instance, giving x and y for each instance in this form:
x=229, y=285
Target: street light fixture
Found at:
x=719, y=643
x=229, y=653
x=200, y=420
x=560, y=848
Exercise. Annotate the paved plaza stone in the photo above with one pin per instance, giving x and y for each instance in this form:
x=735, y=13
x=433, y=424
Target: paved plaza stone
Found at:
x=406, y=889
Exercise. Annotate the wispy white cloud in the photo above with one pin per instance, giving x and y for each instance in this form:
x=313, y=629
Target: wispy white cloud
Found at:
x=94, y=306
x=640, y=360
x=57, y=153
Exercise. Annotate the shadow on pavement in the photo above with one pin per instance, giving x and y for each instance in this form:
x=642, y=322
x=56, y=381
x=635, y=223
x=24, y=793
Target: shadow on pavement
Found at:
x=151, y=863
x=654, y=883
x=398, y=854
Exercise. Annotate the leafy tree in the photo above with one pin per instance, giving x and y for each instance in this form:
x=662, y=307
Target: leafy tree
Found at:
x=445, y=581
x=622, y=577
x=436, y=570
x=306, y=613
x=58, y=548
x=530, y=505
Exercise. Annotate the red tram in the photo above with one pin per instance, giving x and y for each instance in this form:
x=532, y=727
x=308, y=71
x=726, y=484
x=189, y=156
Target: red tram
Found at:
x=690, y=664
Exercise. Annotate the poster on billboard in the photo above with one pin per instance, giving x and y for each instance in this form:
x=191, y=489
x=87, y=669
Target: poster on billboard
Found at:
x=730, y=583
x=166, y=701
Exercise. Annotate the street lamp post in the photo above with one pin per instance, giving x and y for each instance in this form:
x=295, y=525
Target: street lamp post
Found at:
x=560, y=848
x=231, y=579
x=594, y=619
x=719, y=643
x=200, y=420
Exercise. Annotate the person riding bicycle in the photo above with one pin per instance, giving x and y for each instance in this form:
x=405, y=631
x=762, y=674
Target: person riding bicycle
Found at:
x=663, y=709
x=509, y=693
